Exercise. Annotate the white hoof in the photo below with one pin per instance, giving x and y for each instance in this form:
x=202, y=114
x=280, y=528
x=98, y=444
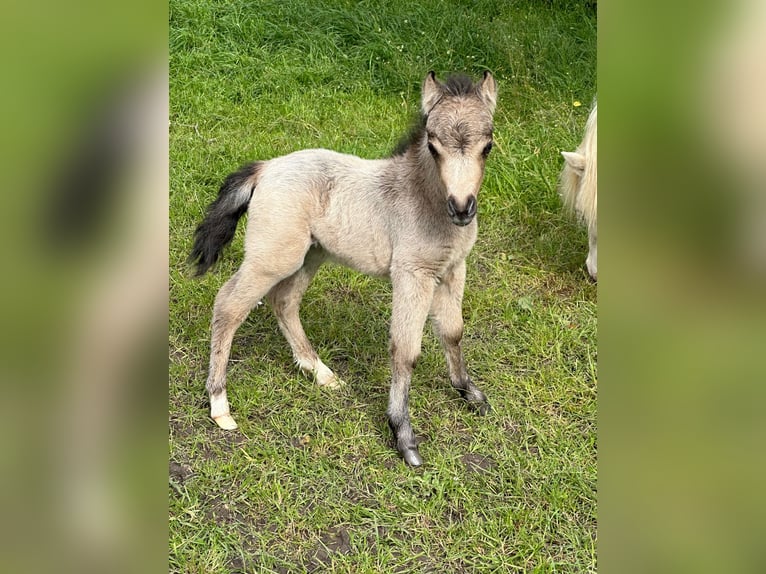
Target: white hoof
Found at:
x=326, y=378
x=226, y=422
x=333, y=382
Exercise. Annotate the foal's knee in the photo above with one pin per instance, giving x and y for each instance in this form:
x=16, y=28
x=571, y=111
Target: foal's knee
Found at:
x=449, y=328
x=453, y=338
x=227, y=318
x=404, y=358
x=231, y=305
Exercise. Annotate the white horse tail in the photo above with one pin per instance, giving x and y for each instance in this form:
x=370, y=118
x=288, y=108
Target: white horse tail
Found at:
x=217, y=229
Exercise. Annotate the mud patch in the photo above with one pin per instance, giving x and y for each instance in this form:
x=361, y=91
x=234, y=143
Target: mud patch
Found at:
x=238, y=566
x=334, y=541
x=179, y=472
x=224, y=512
x=394, y=462
x=511, y=428
x=416, y=560
x=454, y=514
x=221, y=514
x=533, y=449
x=418, y=563
x=249, y=559
x=300, y=442
x=462, y=437
x=218, y=444
x=477, y=463
x=362, y=495
x=179, y=429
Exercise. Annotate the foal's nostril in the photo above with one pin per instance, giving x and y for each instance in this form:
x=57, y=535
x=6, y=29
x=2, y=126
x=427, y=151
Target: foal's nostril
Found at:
x=470, y=208
x=451, y=207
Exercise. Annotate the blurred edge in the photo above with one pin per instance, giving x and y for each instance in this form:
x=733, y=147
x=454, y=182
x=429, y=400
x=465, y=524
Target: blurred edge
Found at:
x=681, y=308
x=84, y=223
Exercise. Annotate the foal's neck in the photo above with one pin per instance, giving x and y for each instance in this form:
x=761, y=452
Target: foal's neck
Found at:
x=421, y=177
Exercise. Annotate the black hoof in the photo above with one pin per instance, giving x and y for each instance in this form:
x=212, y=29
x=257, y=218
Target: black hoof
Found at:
x=412, y=457
x=476, y=400
x=482, y=408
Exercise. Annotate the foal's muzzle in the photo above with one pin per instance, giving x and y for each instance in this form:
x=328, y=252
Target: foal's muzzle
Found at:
x=461, y=216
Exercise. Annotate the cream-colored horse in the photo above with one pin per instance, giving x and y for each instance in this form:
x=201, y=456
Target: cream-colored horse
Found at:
x=578, y=186
x=409, y=218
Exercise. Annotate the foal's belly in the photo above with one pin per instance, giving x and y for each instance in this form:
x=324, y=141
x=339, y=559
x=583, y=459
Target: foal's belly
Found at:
x=359, y=247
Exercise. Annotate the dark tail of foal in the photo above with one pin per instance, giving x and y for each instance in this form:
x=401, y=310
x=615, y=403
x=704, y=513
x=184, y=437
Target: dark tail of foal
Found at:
x=217, y=229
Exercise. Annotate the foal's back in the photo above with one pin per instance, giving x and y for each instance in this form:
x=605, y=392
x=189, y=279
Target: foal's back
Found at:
x=336, y=199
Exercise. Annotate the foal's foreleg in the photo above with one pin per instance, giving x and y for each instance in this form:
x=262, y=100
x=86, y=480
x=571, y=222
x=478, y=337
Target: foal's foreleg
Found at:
x=447, y=317
x=412, y=294
x=285, y=299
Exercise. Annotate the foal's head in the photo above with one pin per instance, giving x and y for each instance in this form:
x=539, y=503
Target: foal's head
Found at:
x=458, y=137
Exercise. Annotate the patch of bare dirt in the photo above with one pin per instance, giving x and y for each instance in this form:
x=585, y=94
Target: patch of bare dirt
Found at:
x=475, y=462
x=179, y=472
x=300, y=442
x=334, y=541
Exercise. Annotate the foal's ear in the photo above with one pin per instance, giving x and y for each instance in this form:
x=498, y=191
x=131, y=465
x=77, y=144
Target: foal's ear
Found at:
x=575, y=160
x=488, y=91
x=431, y=92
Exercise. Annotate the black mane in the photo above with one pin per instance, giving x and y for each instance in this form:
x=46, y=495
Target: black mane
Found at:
x=459, y=85
x=413, y=137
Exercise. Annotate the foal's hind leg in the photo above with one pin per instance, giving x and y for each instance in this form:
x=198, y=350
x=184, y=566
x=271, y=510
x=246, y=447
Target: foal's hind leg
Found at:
x=285, y=299
x=257, y=275
x=232, y=305
x=447, y=318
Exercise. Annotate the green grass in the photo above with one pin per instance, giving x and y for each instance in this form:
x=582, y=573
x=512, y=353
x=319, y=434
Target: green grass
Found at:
x=310, y=481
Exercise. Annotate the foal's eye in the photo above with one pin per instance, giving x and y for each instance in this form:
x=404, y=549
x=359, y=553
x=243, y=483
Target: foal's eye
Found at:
x=487, y=149
x=432, y=149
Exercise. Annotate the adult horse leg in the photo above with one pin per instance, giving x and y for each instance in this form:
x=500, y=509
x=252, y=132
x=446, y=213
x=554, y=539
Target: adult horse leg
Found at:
x=285, y=299
x=447, y=318
x=412, y=295
x=591, y=262
x=258, y=274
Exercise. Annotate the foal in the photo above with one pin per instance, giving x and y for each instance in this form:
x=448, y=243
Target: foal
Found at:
x=409, y=218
